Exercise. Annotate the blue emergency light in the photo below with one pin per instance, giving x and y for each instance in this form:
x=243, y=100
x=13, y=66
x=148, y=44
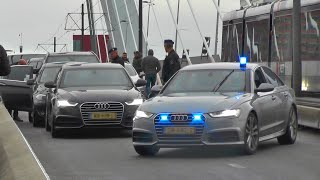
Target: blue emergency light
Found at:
x=243, y=62
x=164, y=118
x=197, y=118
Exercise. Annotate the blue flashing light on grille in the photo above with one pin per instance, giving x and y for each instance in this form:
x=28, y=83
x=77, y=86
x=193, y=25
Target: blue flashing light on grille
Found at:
x=164, y=118
x=243, y=62
x=197, y=118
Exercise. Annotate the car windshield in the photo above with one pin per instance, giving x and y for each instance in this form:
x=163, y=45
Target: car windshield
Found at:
x=73, y=58
x=130, y=70
x=49, y=74
x=116, y=78
x=207, y=81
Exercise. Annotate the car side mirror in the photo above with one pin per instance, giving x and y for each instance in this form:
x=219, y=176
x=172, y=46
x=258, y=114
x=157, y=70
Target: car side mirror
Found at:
x=36, y=71
x=264, y=87
x=141, y=83
x=142, y=75
x=155, y=90
x=30, y=82
x=50, y=85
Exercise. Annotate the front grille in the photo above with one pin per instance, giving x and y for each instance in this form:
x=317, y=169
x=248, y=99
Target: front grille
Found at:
x=113, y=107
x=179, y=120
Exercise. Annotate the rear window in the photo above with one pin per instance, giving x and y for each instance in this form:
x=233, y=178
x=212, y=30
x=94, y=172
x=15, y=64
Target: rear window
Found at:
x=73, y=58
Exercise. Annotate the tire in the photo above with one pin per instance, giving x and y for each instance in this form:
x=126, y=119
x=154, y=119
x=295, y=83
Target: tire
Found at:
x=251, y=137
x=36, y=120
x=30, y=117
x=46, y=120
x=147, y=150
x=291, y=130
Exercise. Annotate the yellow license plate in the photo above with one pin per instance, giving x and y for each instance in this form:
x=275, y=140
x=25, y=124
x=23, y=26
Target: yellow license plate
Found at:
x=179, y=130
x=104, y=116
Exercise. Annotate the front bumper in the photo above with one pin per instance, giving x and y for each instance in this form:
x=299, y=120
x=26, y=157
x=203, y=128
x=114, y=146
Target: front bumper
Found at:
x=73, y=118
x=215, y=131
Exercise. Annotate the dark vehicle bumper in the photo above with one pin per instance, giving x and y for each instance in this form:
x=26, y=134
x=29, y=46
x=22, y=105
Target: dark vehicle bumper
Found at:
x=71, y=118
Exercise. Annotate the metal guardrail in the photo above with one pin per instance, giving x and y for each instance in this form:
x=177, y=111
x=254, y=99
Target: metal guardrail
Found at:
x=17, y=159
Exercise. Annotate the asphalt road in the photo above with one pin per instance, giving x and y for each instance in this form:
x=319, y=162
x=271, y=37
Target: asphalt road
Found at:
x=109, y=155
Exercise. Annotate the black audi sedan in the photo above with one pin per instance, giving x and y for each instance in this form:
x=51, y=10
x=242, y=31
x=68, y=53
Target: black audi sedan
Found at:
x=92, y=96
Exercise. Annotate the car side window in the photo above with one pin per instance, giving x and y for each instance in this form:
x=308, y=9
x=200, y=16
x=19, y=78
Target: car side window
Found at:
x=272, y=77
x=259, y=77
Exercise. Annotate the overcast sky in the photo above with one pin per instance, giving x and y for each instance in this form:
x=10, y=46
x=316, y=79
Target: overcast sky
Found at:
x=39, y=20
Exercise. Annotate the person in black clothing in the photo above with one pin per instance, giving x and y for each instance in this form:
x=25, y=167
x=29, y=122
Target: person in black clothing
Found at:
x=125, y=57
x=4, y=62
x=171, y=63
x=115, y=58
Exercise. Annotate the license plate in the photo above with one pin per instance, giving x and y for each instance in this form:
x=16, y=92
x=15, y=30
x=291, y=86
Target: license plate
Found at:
x=104, y=116
x=179, y=130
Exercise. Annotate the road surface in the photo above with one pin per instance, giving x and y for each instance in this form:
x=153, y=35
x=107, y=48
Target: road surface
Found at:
x=109, y=155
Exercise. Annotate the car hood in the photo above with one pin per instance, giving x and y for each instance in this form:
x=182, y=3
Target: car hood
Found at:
x=193, y=103
x=82, y=95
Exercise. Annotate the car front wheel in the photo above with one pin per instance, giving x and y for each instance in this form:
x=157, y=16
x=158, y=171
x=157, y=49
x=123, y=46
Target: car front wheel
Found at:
x=147, y=150
x=47, y=126
x=291, y=131
x=251, y=140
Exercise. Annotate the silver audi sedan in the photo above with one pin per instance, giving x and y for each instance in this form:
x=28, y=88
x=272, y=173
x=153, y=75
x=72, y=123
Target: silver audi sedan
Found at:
x=217, y=104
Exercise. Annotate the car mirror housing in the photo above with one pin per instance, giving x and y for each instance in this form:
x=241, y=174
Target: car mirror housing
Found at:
x=50, y=85
x=141, y=83
x=264, y=87
x=30, y=82
x=155, y=91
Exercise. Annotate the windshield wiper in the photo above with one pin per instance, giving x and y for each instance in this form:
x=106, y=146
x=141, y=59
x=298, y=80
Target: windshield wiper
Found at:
x=217, y=87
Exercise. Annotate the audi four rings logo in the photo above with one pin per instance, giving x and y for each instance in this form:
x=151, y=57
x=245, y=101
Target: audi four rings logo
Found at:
x=102, y=106
x=179, y=118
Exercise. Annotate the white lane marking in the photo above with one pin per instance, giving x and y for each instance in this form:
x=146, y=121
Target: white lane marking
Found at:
x=238, y=166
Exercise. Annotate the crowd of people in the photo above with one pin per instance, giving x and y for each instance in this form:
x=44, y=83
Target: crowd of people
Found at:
x=150, y=65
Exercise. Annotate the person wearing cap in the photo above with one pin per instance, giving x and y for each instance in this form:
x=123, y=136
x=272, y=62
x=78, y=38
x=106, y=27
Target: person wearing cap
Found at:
x=137, y=60
x=151, y=67
x=115, y=57
x=125, y=57
x=171, y=63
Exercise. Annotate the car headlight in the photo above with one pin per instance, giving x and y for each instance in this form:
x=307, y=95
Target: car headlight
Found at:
x=41, y=97
x=226, y=113
x=135, y=102
x=65, y=103
x=142, y=114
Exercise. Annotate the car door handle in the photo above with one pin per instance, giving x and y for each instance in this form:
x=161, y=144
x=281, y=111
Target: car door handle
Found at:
x=274, y=98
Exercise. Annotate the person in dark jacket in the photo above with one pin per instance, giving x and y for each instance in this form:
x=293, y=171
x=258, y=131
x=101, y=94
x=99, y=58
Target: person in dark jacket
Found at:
x=125, y=57
x=137, y=62
x=4, y=62
x=151, y=67
x=115, y=58
x=171, y=63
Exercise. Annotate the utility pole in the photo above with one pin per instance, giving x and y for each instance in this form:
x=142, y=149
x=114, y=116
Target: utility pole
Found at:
x=54, y=44
x=178, y=14
x=296, y=68
x=82, y=27
x=148, y=26
x=140, y=26
x=217, y=32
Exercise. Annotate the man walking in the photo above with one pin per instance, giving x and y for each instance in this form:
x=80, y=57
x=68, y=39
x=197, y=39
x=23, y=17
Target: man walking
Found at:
x=125, y=57
x=115, y=57
x=171, y=64
x=151, y=67
x=137, y=62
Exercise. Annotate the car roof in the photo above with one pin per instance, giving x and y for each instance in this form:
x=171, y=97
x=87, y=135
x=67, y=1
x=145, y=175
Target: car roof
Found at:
x=21, y=54
x=84, y=65
x=36, y=59
x=55, y=64
x=70, y=54
x=218, y=65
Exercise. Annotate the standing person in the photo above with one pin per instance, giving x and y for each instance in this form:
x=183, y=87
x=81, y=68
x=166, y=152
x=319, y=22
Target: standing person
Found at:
x=171, y=63
x=125, y=57
x=151, y=67
x=115, y=57
x=15, y=113
x=4, y=62
x=137, y=62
